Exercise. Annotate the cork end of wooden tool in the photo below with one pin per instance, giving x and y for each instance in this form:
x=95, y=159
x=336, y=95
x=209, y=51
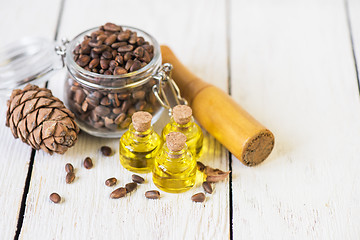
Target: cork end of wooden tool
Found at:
x=258, y=148
x=141, y=121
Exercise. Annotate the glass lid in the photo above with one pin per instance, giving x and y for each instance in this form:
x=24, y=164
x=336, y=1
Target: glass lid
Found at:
x=29, y=60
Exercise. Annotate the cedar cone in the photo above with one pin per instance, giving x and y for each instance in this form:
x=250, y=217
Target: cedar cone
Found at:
x=41, y=120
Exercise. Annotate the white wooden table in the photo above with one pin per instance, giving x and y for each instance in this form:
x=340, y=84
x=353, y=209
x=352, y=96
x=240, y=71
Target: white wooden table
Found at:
x=291, y=64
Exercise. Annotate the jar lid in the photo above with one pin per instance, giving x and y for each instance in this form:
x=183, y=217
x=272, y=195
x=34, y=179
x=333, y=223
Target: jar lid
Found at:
x=28, y=60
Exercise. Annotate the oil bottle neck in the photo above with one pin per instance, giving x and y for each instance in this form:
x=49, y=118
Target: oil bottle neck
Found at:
x=140, y=136
x=182, y=126
x=175, y=156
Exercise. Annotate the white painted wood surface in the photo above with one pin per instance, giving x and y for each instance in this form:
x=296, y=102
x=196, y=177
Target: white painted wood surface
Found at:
x=88, y=212
x=17, y=20
x=292, y=68
x=354, y=22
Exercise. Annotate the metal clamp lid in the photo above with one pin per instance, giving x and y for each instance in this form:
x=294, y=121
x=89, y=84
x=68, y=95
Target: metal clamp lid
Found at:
x=165, y=85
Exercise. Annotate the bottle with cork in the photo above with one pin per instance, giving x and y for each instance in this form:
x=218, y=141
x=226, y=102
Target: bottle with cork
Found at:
x=174, y=167
x=182, y=121
x=140, y=144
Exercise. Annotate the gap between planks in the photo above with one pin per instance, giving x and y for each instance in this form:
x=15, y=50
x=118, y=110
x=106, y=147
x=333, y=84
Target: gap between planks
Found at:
x=33, y=152
x=229, y=155
x=23, y=200
x=348, y=20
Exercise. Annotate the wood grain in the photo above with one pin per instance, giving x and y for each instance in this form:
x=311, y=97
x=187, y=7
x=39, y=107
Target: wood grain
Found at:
x=87, y=212
x=292, y=68
x=17, y=21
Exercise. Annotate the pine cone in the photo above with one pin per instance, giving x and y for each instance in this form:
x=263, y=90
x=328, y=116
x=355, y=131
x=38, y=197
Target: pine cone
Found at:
x=41, y=120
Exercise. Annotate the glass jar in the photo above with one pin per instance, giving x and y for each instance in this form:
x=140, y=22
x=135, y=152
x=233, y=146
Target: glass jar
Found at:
x=103, y=104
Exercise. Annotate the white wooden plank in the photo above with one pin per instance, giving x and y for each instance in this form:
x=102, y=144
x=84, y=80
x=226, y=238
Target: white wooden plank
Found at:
x=87, y=212
x=17, y=20
x=354, y=18
x=292, y=68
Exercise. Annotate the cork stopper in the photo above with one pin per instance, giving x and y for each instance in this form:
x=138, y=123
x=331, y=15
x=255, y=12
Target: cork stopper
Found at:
x=141, y=121
x=175, y=141
x=182, y=114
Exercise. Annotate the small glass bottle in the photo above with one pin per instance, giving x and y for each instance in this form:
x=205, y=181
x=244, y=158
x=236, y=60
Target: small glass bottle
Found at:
x=140, y=144
x=182, y=121
x=175, y=167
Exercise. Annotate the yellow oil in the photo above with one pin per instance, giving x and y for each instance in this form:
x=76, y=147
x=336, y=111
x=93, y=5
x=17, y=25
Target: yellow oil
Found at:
x=138, y=149
x=174, y=172
x=192, y=131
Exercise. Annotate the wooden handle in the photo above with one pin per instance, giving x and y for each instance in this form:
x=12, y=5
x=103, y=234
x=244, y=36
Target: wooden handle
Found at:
x=221, y=116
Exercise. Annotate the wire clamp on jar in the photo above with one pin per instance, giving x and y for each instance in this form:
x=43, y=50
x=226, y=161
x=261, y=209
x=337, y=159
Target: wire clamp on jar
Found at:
x=167, y=84
x=61, y=49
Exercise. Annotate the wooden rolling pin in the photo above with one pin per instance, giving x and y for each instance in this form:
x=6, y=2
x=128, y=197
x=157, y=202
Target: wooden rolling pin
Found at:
x=221, y=116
